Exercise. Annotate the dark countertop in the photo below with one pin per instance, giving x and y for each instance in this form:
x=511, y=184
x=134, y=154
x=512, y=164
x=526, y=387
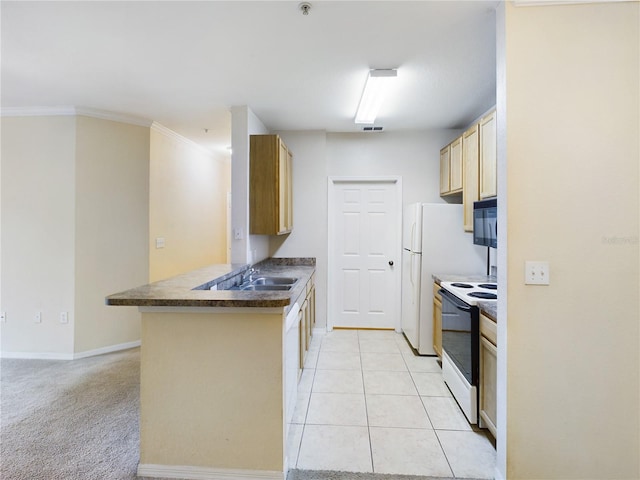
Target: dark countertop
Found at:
x=488, y=308
x=192, y=289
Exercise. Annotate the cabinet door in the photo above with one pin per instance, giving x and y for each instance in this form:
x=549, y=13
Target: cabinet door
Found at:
x=263, y=184
x=270, y=186
x=289, y=196
x=444, y=171
x=283, y=188
x=437, y=320
x=488, y=383
x=307, y=323
x=455, y=166
x=312, y=307
x=488, y=156
x=470, y=160
x=301, y=330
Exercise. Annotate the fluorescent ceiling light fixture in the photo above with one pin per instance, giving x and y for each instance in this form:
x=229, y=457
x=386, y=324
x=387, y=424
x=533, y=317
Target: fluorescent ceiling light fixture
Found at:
x=378, y=83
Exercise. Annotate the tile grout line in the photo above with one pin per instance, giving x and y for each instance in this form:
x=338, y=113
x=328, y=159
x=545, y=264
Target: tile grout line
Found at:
x=366, y=408
x=306, y=413
x=453, y=475
x=429, y=417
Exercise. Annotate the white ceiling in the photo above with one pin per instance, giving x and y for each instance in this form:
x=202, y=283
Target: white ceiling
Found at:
x=184, y=64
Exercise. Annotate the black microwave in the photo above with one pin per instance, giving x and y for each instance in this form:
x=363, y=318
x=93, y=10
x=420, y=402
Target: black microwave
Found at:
x=485, y=222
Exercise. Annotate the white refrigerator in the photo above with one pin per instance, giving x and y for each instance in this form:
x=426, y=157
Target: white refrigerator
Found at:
x=433, y=241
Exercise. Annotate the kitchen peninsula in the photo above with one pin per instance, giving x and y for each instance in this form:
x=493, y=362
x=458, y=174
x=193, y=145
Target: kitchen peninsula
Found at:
x=216, y=371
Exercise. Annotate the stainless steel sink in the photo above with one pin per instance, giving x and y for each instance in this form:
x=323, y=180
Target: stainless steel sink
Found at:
x=266, y=283
x=266, y=288
x=274, y=281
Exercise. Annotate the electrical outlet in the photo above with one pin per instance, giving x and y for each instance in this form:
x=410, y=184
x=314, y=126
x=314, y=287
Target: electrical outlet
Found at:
x=37, y=317
x=64, y=317
x=536, y=273
x=3, y=317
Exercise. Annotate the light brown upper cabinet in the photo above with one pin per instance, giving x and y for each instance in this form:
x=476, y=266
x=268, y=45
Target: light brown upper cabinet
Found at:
x=451, y=169
x=455, y=166
x=488, y=156
x=468, y=165
x=444, y=171
x=270, y=186
x=471, y=162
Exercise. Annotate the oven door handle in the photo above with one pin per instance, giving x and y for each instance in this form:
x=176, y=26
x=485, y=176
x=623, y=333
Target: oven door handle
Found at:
x=459, y=304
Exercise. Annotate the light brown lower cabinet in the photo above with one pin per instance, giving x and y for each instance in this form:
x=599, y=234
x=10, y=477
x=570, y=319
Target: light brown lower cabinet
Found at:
x=488, y=373
x=302, y=322
x=311, y=311
x=307, y=319
x=437, y=320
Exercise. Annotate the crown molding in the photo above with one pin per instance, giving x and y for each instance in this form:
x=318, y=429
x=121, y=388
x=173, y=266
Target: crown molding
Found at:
x=60, y=111
x=114, y=116
x=549, y=3
x=67, y=111
x=167, y=132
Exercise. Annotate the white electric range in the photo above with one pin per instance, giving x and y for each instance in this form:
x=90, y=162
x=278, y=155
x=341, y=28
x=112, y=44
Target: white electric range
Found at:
x=472, y=292
x=461, y=340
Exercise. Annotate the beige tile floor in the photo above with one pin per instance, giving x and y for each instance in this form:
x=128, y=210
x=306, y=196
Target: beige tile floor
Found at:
x=367, y=404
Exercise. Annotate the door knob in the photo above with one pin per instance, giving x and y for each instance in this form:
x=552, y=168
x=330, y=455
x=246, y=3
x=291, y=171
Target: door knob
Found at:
x=391, y=263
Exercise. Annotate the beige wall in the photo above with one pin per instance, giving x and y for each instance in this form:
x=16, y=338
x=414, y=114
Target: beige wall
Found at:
x=572, y=155
x=188, y=206
x=111, y=218
x=37, y=202
x=74, y=229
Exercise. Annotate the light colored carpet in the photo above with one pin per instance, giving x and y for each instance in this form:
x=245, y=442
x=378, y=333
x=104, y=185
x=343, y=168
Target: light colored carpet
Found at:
x=78, y=420
x=70, y=420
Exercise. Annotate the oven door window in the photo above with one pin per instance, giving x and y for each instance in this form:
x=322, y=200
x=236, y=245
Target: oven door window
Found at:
x=457, y=334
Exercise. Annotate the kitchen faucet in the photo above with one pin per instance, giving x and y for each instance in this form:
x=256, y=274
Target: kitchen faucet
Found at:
x=246, y=277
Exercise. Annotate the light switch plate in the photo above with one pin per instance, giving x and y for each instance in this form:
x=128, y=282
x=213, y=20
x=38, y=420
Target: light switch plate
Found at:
x=536, y=273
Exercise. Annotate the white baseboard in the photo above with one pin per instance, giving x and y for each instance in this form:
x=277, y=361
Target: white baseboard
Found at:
x=38, y=355
x=70, y=356
x=205, y=473
x=109, y=349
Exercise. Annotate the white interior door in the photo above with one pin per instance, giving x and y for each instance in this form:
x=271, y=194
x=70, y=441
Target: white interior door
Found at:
x=364, y=253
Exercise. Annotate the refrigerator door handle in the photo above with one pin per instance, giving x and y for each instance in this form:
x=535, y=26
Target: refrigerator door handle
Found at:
x=411, y=271
x=413, y=235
